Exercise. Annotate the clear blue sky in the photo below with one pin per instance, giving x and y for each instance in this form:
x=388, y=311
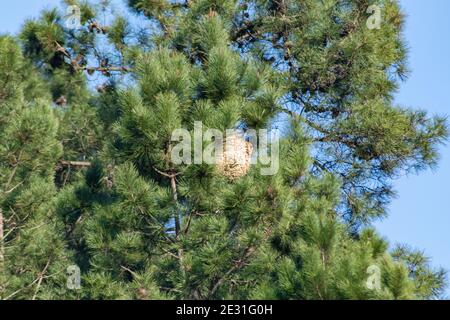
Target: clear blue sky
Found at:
x=420, y=216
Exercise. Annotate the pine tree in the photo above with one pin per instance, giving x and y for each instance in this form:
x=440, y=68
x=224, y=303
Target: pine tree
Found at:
x=32, y=246
x=87, y=176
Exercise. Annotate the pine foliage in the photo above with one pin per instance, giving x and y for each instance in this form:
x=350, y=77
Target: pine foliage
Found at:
x=87, y=178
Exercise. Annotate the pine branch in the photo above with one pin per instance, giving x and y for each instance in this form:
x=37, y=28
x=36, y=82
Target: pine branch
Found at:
x=188, y=224
x=14, y=188
x=81, y=164
x=105, y=70
x=40, y=278
x=15, y=166
x=248, y=252
x=134, y=274
x=173, y=183
x=74, y=63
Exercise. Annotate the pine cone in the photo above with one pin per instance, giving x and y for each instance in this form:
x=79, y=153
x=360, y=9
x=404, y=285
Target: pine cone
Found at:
x=61, y=101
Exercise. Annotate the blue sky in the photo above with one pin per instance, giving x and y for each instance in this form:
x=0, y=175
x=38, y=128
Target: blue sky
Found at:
x=420, y=216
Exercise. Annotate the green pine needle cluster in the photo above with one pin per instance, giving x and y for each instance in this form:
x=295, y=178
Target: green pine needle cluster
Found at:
x=87, y=178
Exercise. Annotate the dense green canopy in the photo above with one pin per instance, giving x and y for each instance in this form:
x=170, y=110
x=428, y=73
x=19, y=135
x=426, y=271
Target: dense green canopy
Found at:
x=87, y=178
